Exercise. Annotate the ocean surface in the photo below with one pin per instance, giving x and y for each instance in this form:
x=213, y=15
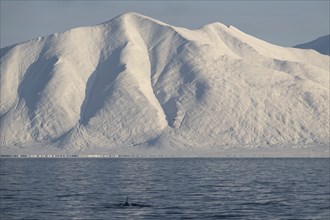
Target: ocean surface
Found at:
x=168, y=188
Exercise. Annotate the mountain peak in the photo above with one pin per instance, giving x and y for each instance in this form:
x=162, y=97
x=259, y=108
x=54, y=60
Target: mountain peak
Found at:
x=135, y=17
x=131, y=15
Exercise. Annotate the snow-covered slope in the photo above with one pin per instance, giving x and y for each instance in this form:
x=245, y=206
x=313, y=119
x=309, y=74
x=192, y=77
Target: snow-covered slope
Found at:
x=321, y=45
x=135, y=81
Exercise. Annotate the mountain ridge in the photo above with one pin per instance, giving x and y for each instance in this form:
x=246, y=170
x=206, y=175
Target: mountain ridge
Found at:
x=321, y=45
x=136, y=81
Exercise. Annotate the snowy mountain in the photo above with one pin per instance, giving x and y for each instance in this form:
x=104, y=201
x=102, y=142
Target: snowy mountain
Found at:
x=321, y=45
x=136, y=83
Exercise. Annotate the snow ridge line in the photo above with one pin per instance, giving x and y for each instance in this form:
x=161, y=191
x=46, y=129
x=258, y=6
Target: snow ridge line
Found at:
x=151, y=97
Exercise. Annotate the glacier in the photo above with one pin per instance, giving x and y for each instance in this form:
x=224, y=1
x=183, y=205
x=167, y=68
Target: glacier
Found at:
x=136, y=85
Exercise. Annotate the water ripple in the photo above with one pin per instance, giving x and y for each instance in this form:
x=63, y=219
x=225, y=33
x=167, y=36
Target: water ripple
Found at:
x=165, y=188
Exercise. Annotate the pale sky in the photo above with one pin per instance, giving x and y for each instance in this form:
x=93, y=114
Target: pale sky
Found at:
x=280, y=22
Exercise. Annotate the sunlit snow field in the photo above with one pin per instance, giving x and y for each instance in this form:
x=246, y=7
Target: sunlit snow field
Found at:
x=168, y=188
x=135, y=81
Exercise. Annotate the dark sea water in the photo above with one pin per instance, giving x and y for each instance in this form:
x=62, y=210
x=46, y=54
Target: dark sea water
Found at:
x=195, y=188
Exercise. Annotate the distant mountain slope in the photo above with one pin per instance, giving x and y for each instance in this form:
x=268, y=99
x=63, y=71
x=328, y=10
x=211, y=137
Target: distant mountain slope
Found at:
x=321, y=45
x=135, y=81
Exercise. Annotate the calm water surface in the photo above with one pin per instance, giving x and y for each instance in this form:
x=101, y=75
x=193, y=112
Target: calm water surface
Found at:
x=196, y=188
